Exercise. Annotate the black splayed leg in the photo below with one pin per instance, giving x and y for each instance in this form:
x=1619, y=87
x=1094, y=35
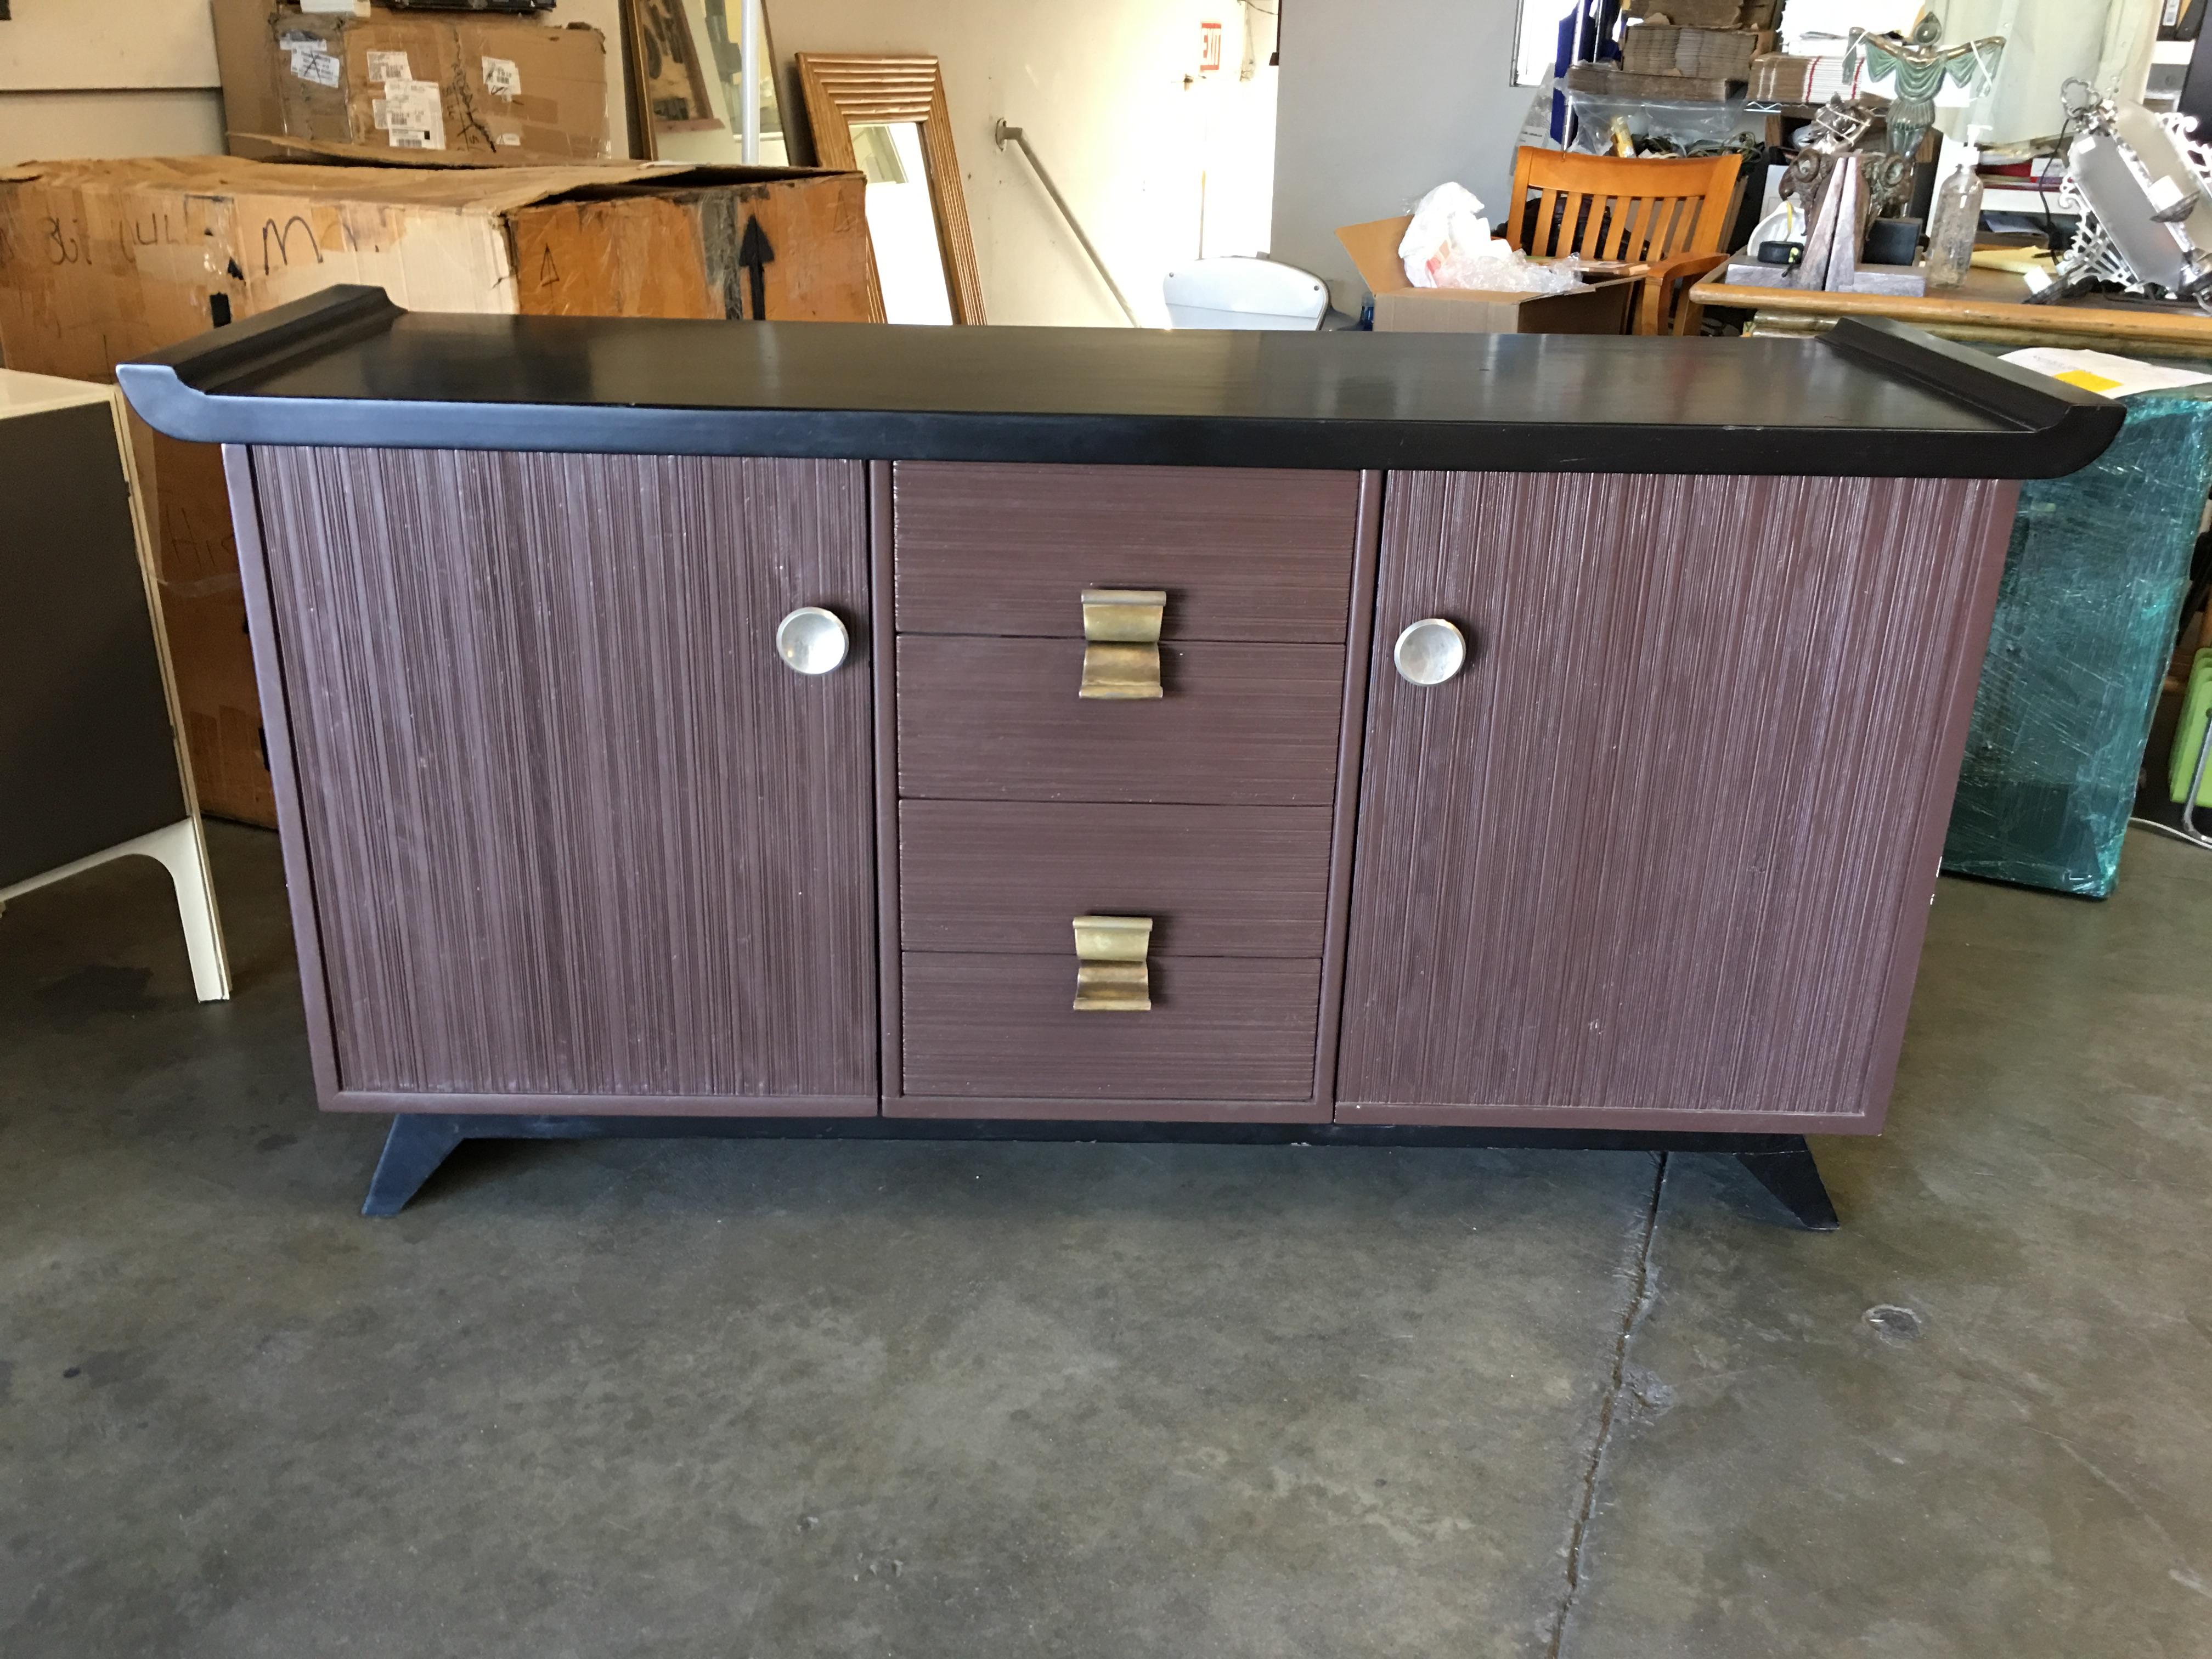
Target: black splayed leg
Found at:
x=1792, y=1177
x=417, y=1146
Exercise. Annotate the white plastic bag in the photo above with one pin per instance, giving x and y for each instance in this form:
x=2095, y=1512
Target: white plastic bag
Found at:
x=1450, y=245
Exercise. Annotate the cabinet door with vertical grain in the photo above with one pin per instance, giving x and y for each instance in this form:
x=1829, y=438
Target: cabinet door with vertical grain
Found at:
x=579, y=838
x=1660, y=853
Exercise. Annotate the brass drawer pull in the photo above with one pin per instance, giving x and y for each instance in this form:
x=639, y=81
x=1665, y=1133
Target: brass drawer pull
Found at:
x=1121, y=641
x=1111, y=975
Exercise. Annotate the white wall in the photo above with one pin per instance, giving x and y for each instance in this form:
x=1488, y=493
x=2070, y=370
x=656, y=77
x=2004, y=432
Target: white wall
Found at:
x=1379, y=101
x=140, y=81
x=52, y=126
x=1100, y=90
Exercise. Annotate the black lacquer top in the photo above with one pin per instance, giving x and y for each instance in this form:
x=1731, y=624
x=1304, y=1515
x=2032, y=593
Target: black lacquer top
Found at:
x=346, y=367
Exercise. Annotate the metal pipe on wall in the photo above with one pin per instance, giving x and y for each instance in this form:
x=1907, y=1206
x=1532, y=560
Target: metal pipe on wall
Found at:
x=1007, y=135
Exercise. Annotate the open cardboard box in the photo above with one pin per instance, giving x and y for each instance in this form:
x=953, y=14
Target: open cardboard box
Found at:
x=103, y=260
x=1596, y=308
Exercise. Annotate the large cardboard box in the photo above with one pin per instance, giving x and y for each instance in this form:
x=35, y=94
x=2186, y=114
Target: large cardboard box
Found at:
x=1596, y=308
x=411, y=88
x=1665, y=49
x=102, y=261
x=1710, y=14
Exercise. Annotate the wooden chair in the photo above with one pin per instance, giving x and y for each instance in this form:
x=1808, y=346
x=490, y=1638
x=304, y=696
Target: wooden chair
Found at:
x=1669, y=215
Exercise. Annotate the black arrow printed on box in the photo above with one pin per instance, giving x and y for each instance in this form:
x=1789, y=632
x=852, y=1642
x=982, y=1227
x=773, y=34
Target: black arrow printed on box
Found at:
x=754, y=253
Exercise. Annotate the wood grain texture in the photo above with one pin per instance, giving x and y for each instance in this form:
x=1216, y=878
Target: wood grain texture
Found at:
x=839, y=90
x=1219, y=1028
x=1218, y=881
x=1242, y=554
x=574, y=829
x=999, y=720
x=1662, y=853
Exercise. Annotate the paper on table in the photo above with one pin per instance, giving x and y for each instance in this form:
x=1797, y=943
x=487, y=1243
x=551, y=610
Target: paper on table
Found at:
x=2100, y=371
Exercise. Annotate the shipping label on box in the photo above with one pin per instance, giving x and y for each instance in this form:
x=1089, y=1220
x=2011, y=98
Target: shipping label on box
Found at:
x=429, y=88
x=412, y=114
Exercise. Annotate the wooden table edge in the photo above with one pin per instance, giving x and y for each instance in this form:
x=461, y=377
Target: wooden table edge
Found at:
x=2084, y=321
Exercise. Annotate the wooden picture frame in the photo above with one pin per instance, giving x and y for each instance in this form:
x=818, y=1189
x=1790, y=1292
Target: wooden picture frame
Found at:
x=840, y=90
x=668, y=79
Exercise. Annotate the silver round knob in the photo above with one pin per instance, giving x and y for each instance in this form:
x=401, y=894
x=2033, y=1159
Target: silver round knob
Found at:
x=1429, y=652
x=811, y=641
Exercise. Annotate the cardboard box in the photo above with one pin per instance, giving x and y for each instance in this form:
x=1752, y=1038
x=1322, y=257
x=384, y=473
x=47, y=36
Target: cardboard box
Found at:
x=1599, y=307
x=1603, y=81
x=1663, y=49
x=102, y=261
x=411, y=88
x=1710, y=14
x=213, y=661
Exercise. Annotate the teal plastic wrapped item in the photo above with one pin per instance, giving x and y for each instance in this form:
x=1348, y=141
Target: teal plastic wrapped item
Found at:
x=2085, y=627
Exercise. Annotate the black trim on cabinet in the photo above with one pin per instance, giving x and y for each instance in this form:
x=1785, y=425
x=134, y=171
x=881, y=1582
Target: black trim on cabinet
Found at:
x=419, y=1142
x=1872, y=399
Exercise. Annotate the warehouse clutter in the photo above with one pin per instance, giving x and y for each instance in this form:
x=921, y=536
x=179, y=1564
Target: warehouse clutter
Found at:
x=1330, y=828
x=1698, y=175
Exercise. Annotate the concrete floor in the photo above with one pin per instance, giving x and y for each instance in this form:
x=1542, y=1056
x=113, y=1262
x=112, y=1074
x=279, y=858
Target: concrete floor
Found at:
x=759, y=1399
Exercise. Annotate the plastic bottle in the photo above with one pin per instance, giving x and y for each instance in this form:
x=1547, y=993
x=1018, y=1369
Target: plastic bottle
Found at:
x=1957, y=218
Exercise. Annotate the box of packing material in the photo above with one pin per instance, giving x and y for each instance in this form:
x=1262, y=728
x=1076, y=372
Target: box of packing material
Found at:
x=437, y=89
x=1602, y=307
x=102, y=261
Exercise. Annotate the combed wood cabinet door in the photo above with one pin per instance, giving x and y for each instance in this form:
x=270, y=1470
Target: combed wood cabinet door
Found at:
x=1660, y=854
x=578, y=838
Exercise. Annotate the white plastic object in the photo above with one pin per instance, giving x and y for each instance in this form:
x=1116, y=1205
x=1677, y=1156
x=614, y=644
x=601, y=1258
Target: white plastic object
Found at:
x=1243, y=292
x=1429, y=652
x=1449, y=245
x=811, y=641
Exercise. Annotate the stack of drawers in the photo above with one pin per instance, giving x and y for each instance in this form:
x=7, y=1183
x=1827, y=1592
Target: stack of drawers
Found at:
x=1022, y=805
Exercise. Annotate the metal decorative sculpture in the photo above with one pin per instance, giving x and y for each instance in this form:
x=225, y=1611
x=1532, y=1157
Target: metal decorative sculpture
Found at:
x=1922, y=69
x=1839, y=127
x=2141, y=184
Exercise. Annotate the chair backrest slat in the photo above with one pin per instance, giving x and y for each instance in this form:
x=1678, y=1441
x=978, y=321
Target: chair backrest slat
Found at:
x=1619, y=207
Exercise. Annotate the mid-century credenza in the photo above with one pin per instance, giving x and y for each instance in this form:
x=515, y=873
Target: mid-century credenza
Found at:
x=817, y=729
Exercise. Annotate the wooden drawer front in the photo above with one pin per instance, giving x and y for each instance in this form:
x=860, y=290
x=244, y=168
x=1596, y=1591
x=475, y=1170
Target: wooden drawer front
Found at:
x=996, y=1027
x=999, y=720
x=1218, y=881
x=1242, y=554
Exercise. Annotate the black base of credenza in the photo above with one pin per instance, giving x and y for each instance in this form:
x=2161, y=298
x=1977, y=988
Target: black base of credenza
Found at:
x=419, y=1143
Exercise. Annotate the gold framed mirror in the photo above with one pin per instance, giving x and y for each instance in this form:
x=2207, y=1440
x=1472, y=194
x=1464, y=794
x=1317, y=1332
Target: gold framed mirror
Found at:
x=885, y=118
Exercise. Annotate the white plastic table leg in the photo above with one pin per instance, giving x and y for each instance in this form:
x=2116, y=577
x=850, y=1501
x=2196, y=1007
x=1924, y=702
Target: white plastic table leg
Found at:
x=181, y=849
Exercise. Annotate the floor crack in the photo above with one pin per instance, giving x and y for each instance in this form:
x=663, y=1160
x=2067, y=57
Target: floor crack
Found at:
x=1642, y=1291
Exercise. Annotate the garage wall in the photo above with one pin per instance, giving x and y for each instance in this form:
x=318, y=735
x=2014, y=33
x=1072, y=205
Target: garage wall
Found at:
x=1440, y=72
x=141, y=82
x=1100, y=91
